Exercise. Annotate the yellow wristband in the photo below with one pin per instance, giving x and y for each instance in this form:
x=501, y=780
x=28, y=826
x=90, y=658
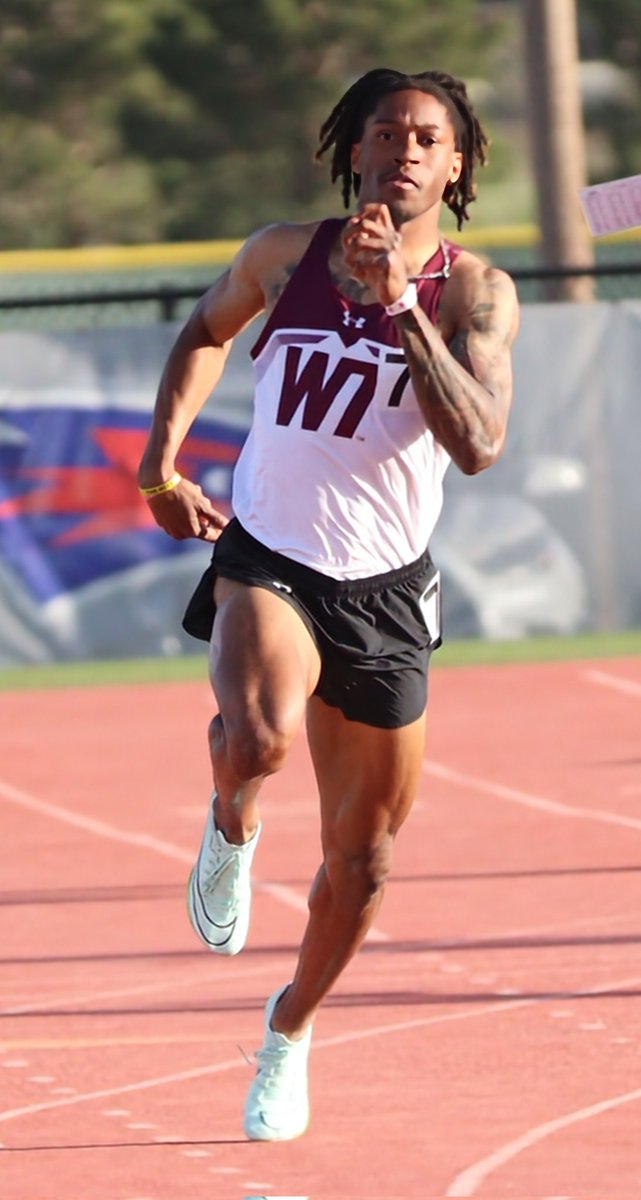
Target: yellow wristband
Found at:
x=161, y=488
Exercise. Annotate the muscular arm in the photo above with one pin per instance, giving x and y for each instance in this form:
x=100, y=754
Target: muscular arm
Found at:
x=462, y=377
x=194, y=367
x=465, y=389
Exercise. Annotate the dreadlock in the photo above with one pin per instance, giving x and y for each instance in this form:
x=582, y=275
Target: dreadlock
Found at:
x=345, y=124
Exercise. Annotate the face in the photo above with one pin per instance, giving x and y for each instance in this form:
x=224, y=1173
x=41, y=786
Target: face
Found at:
x=407, y=154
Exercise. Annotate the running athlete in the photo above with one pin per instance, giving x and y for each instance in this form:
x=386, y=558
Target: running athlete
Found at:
x=385, y=354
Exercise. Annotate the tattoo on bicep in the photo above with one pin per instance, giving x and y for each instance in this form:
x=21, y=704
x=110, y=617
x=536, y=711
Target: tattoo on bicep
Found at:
x=459, y=350
x=457, y=388
x=275, y=287
x=483, y=317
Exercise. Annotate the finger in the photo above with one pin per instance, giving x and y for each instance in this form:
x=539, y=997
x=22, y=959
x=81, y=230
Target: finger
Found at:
x=212, y=527
x=206, y=508
x=354, y=224
x=376, y=210
x=373, y=237
x=209, y=533
x=213, y=517
x=367, y=226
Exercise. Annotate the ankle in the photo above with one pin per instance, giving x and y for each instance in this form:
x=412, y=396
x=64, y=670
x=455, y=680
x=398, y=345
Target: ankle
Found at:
x=284, y=1022
x=235, y=830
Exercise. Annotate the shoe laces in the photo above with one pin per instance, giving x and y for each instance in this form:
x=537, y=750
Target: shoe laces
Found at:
x=221, y=872
x=273, y=1062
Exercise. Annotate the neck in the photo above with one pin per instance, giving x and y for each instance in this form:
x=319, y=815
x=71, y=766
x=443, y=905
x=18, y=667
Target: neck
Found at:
x=420, y=235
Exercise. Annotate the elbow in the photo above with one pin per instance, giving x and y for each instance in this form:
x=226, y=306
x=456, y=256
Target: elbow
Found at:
x=476, y=458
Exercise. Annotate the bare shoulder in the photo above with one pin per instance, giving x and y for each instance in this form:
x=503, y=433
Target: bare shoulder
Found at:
x=255, y=279
x=480, y=297
x=270, y=256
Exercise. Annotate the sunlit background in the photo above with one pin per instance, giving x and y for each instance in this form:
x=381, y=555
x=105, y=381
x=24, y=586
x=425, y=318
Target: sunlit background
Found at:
x=140, y=143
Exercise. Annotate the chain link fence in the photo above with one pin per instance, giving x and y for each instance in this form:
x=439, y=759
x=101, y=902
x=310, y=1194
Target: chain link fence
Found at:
x=127, y=298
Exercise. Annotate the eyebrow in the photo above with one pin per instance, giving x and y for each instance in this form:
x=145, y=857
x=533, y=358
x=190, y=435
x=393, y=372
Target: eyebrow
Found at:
x=394, y=121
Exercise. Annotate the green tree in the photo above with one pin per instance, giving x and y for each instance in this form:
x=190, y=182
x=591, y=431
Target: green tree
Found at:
x=127, y=121
x=611, y=30
x=67, y=176
x=249, y=84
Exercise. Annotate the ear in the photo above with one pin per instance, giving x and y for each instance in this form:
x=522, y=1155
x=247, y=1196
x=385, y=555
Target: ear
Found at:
x=456, y=168
x=355, y=156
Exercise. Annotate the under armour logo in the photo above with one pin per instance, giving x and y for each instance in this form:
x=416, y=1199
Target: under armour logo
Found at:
x=357, y=322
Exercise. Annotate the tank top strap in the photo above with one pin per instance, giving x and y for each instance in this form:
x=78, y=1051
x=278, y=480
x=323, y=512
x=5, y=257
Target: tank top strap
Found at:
x=434, y=275
x=313, y=266
x=317, y=252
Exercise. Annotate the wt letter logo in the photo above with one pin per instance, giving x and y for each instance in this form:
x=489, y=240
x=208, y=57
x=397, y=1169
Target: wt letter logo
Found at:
x=316, y=391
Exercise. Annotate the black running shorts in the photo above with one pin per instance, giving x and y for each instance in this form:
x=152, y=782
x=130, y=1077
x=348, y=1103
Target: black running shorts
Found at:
x=374, y=635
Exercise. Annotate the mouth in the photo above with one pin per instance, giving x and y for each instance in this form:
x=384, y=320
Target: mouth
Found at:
x=398, y=179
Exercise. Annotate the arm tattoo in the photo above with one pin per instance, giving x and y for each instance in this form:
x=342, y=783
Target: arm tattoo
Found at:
x=351, y=288
x=463, y=391
x=275, y=287
x=459, y=351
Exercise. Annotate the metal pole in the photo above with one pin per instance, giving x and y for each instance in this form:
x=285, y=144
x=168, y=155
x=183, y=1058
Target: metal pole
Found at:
x=558, y=148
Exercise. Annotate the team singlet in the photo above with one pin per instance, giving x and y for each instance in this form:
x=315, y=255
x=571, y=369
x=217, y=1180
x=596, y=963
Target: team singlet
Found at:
x=338, y=470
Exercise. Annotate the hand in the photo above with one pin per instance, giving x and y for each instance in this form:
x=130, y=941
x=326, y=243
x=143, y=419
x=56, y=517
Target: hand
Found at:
x=373, y=252
x=186, y=512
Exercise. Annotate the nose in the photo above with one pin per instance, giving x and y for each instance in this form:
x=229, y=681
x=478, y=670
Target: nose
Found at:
x=408, y=150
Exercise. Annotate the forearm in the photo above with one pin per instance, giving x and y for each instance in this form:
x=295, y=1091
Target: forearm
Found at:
x=193, y=368
x=460, y=412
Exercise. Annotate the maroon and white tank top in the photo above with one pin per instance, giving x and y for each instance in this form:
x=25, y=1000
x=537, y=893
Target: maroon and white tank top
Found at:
x=339, y=471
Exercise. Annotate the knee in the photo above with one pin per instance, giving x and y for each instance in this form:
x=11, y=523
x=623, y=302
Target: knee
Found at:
x=253, y=748
x=364, y=869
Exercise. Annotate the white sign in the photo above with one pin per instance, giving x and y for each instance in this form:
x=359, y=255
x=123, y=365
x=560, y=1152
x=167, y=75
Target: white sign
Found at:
x=611, y=207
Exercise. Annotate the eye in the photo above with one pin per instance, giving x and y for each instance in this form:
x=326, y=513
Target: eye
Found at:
x=384, y=135
x=428, y=140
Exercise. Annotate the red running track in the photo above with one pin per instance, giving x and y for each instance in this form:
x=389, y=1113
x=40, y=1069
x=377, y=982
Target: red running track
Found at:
x=485, y=1042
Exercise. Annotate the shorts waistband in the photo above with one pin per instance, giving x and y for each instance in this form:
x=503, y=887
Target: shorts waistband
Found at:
x=306, y=577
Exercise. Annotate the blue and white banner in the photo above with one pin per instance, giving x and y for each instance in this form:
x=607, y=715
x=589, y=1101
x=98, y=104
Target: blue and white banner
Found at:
x=84, y=570
x=545, y=542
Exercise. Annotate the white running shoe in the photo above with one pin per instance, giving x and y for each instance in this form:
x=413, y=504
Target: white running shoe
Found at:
x=219, y=889
x=277, y=1107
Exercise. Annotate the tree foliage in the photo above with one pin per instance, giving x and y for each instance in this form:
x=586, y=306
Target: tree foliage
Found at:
x=611, y=30
x=175, y=119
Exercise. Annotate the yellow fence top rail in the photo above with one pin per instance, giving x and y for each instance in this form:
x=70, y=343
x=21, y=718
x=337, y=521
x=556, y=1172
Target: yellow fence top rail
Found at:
x=219, y=253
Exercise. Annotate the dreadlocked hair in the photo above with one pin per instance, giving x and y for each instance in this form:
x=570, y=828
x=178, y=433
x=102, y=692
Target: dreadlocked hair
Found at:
x=344, y=127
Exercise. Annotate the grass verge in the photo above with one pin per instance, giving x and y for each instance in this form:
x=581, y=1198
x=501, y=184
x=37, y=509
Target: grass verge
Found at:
x=454, y=654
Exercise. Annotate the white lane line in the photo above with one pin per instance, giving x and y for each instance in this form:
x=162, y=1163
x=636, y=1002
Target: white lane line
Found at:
x=243, y=972
x=342, y=1039
x=235, y=1063
x=528, y=799
x=143, y=840
x=469, y=1181
x=614, y=682
x=88, y=997
x=179, y=982
x=91, y=825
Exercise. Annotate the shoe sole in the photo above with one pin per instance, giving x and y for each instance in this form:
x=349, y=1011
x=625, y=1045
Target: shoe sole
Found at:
x=275, y=1137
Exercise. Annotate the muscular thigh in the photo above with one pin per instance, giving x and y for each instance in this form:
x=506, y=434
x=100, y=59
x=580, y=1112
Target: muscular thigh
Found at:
x=263, y=660
x=367, y=776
